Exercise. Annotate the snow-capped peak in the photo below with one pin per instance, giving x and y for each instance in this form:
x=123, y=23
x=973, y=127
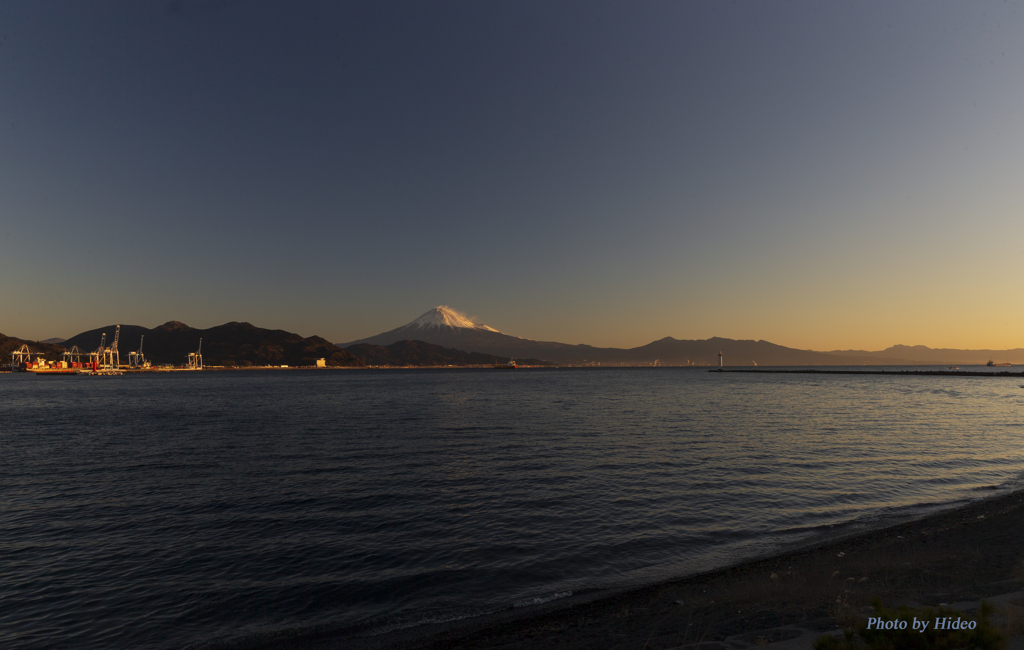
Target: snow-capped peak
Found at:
x=443, y=316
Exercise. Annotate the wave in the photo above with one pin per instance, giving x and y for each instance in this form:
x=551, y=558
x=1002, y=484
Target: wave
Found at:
x=541, y=599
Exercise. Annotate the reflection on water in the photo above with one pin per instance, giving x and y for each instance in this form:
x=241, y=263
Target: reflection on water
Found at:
x=169, y=510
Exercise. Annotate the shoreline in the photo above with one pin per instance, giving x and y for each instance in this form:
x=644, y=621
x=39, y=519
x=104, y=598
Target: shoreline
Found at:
x=820, y=370
x=964, y=553
x=901, y=373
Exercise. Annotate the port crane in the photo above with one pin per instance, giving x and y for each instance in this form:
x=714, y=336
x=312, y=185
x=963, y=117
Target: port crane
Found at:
x=74, y=355
x=195, y=359
x=105, y=358
x=112, y=356
x=96, y=357
x=21, y=355
x=108, y=357
x=135, y=359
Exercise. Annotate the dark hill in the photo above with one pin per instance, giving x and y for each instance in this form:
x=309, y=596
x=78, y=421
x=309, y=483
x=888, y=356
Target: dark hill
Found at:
x=231, y=344
x=420, y=353
x=9, y=344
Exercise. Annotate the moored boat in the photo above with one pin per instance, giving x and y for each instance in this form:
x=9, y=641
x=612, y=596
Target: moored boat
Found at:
x=53, y=371
x=511, y=365
x=42, y=366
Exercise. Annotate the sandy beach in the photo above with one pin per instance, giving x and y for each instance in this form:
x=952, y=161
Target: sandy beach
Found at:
x=956, y=557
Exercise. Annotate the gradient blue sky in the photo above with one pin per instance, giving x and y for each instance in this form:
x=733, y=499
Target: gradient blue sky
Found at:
x=821, y=175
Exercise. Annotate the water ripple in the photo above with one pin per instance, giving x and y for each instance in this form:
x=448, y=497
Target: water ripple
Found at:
x=173, y=510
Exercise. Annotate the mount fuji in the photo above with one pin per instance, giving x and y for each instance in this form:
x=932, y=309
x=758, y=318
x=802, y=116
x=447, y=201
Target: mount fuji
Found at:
x=442, y=317
x=446, y=327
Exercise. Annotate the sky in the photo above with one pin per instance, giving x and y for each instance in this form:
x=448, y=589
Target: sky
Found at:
x=821, y=175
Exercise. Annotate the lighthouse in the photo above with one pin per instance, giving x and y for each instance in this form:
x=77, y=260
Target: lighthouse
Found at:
x=719, y=359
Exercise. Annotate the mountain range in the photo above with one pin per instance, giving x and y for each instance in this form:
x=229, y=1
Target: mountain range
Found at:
x=443, y=337
x=446, y=327
x=921, y=355
x=231, y=344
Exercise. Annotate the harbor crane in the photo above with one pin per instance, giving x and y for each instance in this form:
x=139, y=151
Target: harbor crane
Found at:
x=195, y=359
x=21, y=355
x=96, y=357
x=108, y=357
x=135, y=359
x=73, y=356
x=104, y=357
x=115, y=360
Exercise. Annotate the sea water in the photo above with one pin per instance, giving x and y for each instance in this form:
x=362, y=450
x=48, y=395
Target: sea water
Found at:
x=170, y=510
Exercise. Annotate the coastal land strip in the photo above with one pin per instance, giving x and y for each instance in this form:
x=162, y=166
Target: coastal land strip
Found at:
x=957, y=556
x=902, y=373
